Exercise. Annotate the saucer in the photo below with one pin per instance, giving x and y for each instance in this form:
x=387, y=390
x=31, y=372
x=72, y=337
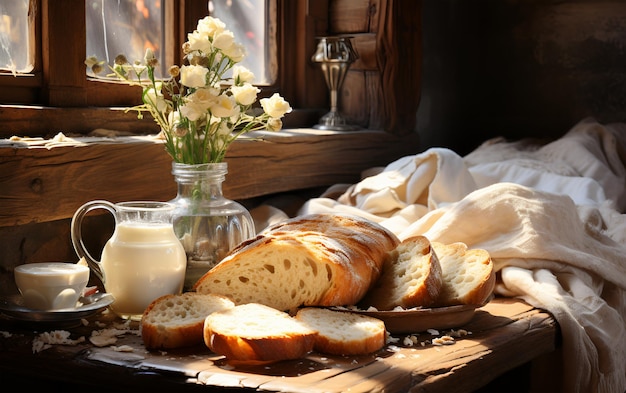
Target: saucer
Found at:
x=13, y=306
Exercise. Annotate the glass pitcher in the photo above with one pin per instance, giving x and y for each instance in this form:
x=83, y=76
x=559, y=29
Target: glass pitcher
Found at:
x=142, y=260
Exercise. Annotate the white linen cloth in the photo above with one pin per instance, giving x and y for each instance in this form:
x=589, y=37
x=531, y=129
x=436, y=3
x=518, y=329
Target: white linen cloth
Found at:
x=552, y=218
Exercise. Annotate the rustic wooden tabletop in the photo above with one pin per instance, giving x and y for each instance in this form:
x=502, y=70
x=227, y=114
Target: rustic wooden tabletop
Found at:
x=502, y=335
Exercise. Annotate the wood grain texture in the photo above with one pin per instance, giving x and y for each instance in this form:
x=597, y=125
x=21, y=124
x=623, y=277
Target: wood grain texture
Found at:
x=39, y=184
x=504, y=334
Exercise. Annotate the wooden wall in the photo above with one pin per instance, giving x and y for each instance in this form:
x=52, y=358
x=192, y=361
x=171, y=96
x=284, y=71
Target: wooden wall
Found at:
x=381, y=90
x=519, y=68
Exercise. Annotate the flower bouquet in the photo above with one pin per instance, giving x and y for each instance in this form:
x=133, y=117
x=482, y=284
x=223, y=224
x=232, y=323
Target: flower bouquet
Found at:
x=200, y=114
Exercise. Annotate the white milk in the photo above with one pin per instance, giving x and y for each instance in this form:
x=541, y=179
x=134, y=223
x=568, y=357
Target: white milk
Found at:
x=140, y=263
x=51, y=285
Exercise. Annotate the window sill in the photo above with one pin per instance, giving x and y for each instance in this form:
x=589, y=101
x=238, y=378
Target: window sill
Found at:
x=45, y=183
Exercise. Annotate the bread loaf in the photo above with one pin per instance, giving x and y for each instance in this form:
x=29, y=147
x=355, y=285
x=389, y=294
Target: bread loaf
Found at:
x=174, y=321
x=254, y=333
x=343, y=333
x=312, y=260
x=411, y=277
x=468, y=275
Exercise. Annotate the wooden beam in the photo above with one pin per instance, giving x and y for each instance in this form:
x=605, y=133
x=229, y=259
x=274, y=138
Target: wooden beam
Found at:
x=39, y=184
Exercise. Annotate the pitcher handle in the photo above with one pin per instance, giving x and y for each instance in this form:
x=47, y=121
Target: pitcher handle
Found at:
x=76, y=233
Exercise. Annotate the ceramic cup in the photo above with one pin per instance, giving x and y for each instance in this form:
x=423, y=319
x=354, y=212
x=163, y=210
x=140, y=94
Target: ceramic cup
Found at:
x=51, y=285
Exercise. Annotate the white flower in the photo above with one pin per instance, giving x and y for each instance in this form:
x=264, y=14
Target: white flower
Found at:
x=242, y=75
x=199, y=112
x=210, y=26
x=156, y=100
x=199, y=41
x=193, y=75
x=197, y=104
x=245, y=94
x=275, y=106
x=224, y=107
x=208, y=96
x=236, y=52
x=173, y=119
x=224, y=40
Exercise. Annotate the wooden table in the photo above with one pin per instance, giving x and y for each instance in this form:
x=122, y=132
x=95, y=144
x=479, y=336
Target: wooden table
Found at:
x=502, y=335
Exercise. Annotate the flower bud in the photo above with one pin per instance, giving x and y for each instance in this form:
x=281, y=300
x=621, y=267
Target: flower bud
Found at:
x=121, y=60
x=274, y=124
x=96, y=68
x=174, y=71
x=180, y=130
x=150, y=59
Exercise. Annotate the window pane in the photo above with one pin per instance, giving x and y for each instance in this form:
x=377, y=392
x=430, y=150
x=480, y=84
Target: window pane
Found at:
x=16, y=48
x=249, y=22
x=126, y=27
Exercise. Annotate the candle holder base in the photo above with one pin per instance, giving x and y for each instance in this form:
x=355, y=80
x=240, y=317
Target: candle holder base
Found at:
x=335, y=122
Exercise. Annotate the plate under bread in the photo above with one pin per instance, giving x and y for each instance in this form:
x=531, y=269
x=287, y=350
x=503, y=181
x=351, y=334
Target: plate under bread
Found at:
x=420, y=319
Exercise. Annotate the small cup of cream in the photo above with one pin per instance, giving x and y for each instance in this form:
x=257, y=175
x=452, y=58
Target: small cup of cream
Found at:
x=51, y=285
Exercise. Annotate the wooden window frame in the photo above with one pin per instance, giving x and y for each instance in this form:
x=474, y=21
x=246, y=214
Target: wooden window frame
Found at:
x=297, y=158
x=54, y=93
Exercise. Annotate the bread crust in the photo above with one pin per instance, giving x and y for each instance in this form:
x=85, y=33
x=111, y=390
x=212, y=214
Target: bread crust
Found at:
x=411, y=277
x=176, y=321
x=344, y=333
x=287, y=339
x=478, y=261
x=314, y=260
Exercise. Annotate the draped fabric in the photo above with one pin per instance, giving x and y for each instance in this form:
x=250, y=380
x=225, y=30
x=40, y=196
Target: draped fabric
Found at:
x=551, y=216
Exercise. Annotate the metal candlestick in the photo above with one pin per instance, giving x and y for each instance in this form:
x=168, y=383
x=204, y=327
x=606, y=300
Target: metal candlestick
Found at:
x=334, y=55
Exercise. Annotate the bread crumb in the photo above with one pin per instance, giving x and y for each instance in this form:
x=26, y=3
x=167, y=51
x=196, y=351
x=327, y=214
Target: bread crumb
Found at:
x=393, y=348
x=45, y=340
x=123, y=348
x=458, y=333
x=444, y=340
x=5, y=334
x=105, y=337
x=434, y=332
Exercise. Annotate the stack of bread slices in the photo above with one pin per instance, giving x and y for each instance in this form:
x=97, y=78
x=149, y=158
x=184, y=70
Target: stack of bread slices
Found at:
x=269, y=298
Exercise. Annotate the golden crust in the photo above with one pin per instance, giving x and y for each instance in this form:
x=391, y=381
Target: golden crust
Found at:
x=164, y=327
x=411, y=277
x=254, y=333
x=458, y=262
x=318, y=259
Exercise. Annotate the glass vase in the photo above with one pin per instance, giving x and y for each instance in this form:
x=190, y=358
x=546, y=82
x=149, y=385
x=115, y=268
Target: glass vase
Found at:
x=207, y=224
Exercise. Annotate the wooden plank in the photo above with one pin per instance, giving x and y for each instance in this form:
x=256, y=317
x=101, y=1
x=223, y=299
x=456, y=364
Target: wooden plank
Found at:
x=349, y=16
x=365, y=46
x=46, y=121
x=39, y=184
x=502, y=328
x=399, y=56
x=353, y=99
x=374, y=94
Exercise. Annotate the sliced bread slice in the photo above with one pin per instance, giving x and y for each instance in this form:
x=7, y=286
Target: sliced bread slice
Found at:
x=411, y=277
x=343, y=333
x=254, y=333
x=174, y=321
x=468, y=274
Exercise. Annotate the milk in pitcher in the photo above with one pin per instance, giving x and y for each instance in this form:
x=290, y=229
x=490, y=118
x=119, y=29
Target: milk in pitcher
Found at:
x=137, y=265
